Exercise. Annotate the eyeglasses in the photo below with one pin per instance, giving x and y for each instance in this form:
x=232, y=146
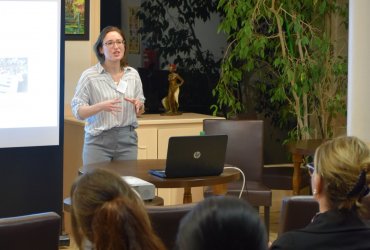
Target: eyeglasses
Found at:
x=310, y=168
x=111, y=43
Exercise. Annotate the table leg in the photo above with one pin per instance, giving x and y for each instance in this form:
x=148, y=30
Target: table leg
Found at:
x=64, y=239
x=297, y=161
x=220, y=189
x=187, y=195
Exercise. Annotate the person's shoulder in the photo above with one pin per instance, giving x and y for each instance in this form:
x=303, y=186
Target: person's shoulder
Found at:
x=131, y=72
x=88, y=74
x=93, y=70
x=130, y=69
x=287, y=240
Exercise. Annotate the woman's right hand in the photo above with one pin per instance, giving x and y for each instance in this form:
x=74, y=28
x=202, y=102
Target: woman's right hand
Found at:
x=112, y=106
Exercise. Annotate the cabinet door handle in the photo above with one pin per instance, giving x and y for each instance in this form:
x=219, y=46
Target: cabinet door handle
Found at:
x=142, y=147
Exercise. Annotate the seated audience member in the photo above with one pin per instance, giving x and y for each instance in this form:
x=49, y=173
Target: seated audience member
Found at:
x=108, y=215
x=338, y=184
x=221, y=223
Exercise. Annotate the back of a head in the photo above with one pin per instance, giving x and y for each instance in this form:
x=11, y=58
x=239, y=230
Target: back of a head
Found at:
x=220, y=223
x=343, y=164
x=109, y=214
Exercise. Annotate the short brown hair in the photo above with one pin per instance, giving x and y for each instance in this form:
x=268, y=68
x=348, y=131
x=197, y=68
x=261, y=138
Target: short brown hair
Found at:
x=99, y=44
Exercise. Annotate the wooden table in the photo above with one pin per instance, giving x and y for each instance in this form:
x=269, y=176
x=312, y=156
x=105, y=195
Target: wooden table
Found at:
x=299, y=150
x=153, y=133
x=140, y=169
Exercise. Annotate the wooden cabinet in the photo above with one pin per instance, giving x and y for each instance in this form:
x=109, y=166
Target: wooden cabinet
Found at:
x=153, y=134
x=155, y=130
x=147, y=143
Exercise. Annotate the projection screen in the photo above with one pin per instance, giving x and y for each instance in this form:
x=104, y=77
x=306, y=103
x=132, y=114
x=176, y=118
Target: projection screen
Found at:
x=30, y=45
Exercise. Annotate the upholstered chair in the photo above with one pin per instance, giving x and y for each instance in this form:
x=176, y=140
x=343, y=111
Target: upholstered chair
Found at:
x=34, y=231
x=166, y=220
x=245, y=151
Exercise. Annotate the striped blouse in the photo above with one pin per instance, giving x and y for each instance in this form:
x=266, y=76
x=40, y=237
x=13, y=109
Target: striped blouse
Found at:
x=96, y=85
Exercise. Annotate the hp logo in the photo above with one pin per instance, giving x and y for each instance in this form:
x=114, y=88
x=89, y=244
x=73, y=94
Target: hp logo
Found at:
x=197, y=155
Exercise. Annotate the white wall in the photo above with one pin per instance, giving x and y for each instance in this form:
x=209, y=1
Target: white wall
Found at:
x=358, y=118
x=77, y=59
x=208, y=36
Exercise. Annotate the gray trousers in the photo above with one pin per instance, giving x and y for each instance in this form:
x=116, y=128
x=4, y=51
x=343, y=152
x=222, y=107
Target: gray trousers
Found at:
x=118, y=143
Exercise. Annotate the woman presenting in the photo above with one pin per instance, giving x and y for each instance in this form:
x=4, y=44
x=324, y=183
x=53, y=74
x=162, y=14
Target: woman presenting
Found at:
x=109, y=96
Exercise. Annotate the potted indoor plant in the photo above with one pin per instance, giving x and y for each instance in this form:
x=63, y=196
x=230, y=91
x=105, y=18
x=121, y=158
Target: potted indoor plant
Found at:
x=287, y=45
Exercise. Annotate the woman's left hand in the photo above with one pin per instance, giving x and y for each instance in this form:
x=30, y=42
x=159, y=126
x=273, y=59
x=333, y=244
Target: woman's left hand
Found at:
x=139, y=106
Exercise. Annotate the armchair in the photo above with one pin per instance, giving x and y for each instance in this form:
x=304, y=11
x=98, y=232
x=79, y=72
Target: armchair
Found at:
x=35, y=231
x=245, y=151
x=166, y=220
x=297, y=212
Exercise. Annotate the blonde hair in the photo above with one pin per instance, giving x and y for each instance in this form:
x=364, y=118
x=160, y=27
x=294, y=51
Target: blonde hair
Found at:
x=343, y=164
x=108, y=213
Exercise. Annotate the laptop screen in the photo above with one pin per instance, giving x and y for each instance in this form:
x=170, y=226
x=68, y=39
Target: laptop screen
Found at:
x=189, y=156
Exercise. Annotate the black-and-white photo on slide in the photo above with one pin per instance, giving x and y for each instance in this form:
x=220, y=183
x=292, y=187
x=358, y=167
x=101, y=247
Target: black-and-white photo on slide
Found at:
x=13, y=75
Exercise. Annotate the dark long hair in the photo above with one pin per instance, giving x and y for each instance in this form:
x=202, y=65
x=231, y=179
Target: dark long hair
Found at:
x=99, y=44
x=108, y=213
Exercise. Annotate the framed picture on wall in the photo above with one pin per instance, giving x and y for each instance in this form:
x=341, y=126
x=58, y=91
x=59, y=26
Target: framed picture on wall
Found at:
x=134, y=39
x=76, y=20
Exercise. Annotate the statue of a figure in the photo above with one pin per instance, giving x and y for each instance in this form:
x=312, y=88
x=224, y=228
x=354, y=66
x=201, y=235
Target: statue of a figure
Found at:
x=171, y=101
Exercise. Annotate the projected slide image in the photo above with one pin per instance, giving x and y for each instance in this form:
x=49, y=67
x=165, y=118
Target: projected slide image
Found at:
x=30, y=72
x=13, y=75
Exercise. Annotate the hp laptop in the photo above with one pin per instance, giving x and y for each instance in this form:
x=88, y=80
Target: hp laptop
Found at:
x=191, y=156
